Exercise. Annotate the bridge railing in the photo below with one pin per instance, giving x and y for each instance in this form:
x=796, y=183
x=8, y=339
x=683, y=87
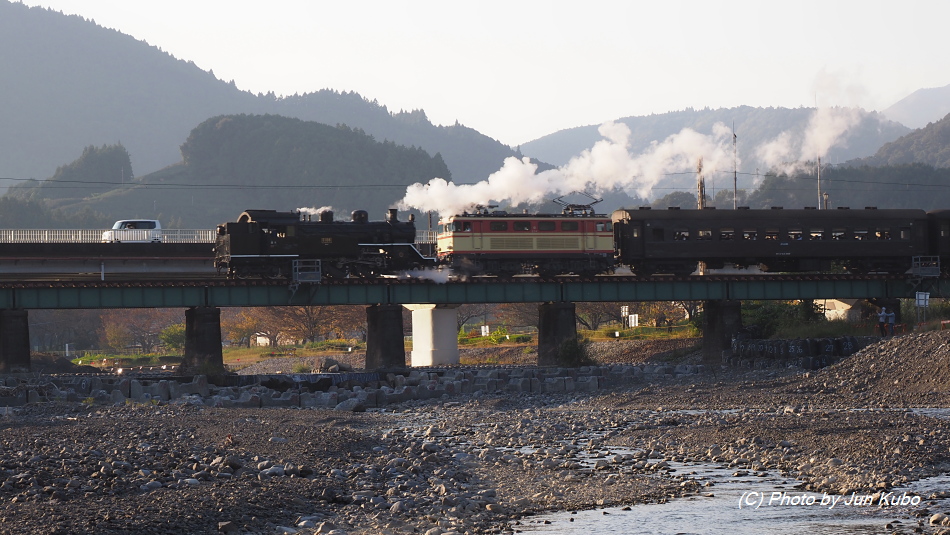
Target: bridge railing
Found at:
x=95, y=236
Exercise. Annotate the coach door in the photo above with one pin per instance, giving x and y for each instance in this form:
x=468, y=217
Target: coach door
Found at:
x=628, y=240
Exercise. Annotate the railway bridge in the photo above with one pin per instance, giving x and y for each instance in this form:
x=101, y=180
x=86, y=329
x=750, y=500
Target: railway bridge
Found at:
x=432, y=303
x=74, y=269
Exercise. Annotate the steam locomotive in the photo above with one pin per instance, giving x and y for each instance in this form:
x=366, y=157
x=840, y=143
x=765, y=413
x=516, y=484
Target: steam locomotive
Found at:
x=266, y=243
x=272, y=244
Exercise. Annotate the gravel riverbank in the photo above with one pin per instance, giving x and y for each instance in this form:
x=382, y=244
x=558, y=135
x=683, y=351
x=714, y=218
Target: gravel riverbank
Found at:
x=476, y=464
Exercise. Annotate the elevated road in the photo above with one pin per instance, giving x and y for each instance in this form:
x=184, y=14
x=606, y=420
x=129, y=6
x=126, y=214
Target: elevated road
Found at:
x=105, y=261
x=241, y=293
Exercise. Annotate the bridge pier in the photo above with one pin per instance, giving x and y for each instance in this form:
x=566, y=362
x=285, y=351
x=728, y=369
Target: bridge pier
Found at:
x=557, y=324
x=203, y=341
x=385, y=345
x=14, y=341
x=723, y=319
x=434, y=335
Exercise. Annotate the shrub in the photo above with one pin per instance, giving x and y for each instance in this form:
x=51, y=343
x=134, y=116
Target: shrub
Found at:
x=302, y=367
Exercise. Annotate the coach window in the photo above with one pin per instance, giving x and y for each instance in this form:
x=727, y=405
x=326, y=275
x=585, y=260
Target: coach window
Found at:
x=837, y=234
x=860, y=234
x=749, y=234
x=680, y=234
x=794, y=234
x=882, y=234
x=726, y=234
x=546, y=226
x=816, y=234
x=771, y=234
x=944, y=230
x=704, y=234
x=498, y=226
x=569, y=225
x=905, y=233
x=522, y=225
x=602, y=226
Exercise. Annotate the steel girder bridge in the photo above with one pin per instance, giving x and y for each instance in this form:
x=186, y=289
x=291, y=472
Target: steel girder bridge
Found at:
x=251, y=293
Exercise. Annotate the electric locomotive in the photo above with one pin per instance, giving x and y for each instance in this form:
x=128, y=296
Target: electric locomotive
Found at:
x=269, y=244
x=576, y=241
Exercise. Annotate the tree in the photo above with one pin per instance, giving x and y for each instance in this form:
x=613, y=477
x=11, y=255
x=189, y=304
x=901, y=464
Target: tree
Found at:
x=467, y=313
x=238, y=326
x=517, y=314
x=53, y=329
x=681, y=199
x=173, y=337
x=593, y=315
x=140, y=327
x=691, y=308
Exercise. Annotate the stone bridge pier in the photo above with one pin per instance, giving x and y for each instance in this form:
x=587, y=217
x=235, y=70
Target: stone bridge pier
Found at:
x=14, y=341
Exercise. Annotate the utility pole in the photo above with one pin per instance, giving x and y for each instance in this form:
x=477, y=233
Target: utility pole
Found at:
x=735, y=170
x=700, y=185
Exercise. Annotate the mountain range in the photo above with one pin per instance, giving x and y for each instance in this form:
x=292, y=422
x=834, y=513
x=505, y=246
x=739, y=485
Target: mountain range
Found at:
x=70, y=84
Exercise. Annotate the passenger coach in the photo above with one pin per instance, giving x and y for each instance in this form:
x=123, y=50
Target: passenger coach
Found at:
x=859, y=241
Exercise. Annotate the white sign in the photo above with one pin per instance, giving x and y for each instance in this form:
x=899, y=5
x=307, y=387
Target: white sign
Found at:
x=634, y=320
x=923, y=299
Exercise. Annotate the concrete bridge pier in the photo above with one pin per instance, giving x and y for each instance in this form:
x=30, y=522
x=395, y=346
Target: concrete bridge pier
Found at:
x=385, y=345
x=723, y=319
x=435, y=339
x=557, y=323
x=14, y=341
x=203, y=341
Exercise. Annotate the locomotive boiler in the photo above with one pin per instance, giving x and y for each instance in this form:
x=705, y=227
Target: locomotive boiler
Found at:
x=272, y=244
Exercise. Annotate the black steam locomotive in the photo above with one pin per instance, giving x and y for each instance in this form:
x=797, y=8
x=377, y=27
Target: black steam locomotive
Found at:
x=272, y=244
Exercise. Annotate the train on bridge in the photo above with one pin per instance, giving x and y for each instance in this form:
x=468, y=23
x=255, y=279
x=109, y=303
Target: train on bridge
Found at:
x=578, y=241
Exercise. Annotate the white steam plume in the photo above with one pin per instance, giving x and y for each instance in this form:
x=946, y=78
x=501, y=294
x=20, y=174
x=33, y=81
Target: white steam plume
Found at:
x=311, y=211
x=437, y=275
x=605, y=166
x=826, y=128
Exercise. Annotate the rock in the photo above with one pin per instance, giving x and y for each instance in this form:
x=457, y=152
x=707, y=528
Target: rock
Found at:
x=228, y=527
x=351, y=405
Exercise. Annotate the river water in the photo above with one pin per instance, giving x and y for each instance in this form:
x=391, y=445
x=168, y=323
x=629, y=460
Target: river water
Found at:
x=763, y=510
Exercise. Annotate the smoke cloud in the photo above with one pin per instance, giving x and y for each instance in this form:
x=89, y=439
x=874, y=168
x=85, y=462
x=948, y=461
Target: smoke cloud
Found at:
x=826, y=128
x=605, y=166
x=315, y=211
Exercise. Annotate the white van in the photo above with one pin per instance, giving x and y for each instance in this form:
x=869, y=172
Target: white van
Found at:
x=134, y=231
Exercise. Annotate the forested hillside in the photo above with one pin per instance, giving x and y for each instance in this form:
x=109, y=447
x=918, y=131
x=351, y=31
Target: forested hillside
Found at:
x=236, y=162
x=69, y=84
x=929, y=145
x=899, y=186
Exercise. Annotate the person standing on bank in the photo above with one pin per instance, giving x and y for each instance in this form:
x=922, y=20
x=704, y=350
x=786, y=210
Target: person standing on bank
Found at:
x=882, y=321
x=891, y=318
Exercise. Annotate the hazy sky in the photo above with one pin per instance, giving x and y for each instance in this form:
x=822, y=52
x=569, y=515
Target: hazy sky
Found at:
x=517, y=70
